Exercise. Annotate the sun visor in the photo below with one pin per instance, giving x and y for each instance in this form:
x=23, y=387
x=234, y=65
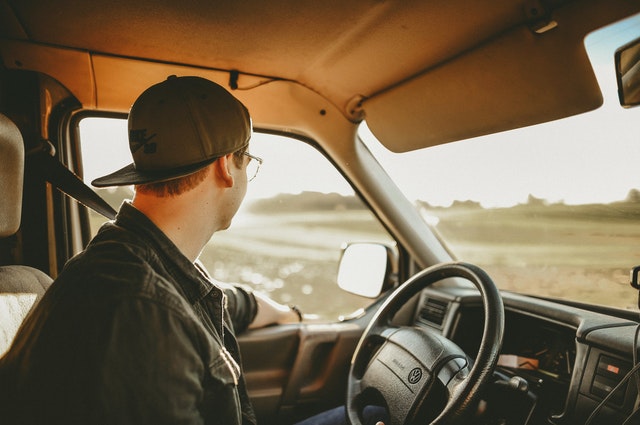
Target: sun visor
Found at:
x=518, y=79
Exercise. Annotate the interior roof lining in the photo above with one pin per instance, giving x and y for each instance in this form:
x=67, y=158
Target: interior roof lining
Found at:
x=406, y=106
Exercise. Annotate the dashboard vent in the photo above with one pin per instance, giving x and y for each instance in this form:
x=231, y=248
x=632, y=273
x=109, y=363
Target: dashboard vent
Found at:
x=433, y=312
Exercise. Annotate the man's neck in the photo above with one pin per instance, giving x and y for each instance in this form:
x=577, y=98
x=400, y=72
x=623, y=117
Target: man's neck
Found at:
x=183, y=222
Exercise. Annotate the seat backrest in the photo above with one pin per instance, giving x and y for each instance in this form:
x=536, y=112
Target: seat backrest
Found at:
x=21, y=287
x=11, y=176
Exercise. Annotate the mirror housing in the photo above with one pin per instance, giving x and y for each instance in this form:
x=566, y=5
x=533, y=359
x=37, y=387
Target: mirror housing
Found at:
x=367, y=269
x=627, y=61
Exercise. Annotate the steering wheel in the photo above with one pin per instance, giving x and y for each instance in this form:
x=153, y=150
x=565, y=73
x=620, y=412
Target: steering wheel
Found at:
x=419, y=375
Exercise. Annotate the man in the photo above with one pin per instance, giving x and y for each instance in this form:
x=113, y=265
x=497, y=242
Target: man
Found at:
x=133, y=331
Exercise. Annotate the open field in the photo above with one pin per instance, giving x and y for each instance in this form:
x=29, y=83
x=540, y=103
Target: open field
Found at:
x=583, y=253
x=293, y=257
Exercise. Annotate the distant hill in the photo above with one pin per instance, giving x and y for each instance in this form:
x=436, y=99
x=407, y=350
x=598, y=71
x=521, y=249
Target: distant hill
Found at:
x=306, y=201
x=628, y=209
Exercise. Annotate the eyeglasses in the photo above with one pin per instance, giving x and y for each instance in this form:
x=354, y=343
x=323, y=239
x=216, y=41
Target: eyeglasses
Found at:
x=252, y=166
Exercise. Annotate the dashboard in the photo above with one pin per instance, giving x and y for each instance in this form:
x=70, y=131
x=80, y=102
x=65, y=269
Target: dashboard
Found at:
x=540, y=348
x=570, y=359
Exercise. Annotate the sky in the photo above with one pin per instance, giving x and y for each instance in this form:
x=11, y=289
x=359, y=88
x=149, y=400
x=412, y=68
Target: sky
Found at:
x=593, y=157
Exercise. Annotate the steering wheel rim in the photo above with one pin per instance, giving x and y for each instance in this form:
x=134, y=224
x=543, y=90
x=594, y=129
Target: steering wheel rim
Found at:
x=463, y=385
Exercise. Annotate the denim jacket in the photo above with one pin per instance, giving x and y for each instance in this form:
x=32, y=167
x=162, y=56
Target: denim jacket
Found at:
x=131, y=332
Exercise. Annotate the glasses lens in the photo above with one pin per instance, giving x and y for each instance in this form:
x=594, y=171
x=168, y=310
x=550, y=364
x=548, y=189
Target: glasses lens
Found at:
x=252, y=168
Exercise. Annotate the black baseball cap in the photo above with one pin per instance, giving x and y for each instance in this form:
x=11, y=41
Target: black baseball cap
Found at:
x=179, y=126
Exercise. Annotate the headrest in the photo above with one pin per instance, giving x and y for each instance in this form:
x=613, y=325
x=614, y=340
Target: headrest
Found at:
x=11, y=176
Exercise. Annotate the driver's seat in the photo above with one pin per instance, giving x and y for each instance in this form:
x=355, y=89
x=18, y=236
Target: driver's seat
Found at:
x=21, y=287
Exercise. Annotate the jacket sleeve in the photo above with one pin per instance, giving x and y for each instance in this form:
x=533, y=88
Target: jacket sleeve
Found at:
x=241, y=305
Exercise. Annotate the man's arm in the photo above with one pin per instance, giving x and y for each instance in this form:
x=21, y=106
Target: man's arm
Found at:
x=271, y=312
x=252, y=309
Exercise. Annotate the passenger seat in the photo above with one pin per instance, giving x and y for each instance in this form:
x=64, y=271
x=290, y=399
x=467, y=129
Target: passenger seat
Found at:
x=21, y=287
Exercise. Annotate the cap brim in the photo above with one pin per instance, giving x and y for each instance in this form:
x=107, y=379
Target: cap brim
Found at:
x=129, y=175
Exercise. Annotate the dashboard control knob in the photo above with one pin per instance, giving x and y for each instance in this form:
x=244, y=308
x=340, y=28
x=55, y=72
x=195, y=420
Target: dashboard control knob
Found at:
x=519, y=384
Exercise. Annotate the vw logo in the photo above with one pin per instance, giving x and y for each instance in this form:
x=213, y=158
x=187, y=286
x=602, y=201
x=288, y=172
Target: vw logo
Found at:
x=415, y=375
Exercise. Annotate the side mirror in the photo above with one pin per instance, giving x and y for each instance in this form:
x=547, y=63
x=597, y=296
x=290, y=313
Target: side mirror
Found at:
x=627, y=60
x=366, y=269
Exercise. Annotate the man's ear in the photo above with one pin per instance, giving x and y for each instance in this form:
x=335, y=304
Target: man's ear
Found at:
x=222, y=170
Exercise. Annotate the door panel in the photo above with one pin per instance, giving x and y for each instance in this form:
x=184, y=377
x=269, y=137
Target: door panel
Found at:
x=295, y=371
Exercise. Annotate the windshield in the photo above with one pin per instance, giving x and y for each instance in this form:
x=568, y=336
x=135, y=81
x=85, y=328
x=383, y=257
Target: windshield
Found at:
x=550, y=210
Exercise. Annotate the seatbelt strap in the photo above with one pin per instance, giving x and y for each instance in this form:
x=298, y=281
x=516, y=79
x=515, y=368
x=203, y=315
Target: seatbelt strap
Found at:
x=68, y=182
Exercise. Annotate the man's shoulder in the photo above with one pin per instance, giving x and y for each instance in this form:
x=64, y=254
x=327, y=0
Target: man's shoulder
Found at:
x=109, y=258
x=116, y=271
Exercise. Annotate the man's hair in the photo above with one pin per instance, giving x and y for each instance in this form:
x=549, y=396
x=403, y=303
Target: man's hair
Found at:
x=184, y=184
